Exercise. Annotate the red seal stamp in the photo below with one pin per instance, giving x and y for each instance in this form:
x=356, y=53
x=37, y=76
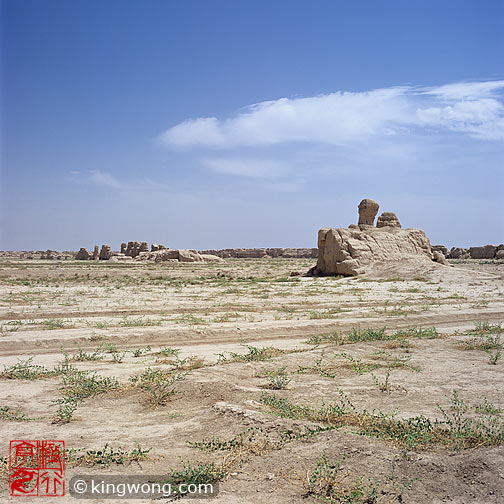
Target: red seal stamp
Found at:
x=37, y=468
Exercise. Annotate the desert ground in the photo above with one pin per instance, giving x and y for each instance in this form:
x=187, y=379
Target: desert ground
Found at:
x=282, y=388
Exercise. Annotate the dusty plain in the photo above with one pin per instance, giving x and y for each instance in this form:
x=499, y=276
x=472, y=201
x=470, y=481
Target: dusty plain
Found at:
x=284, y=388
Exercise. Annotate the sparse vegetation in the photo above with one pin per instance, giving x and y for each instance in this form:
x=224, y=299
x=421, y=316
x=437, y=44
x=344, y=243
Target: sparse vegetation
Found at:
x=302, y=432
x=383, y=385
x=109, y=348
x=7, y=413
x=494, y=356
x=66, y=409
x=167, y=351
x=357, y=365
x=159, y=386
x=106, y=456
x=26, y=370
x=457, y=428
x=139, y=322
x=278, y=380
x=118, y=357
x=77, y=386
x=138, y=352
x=189, y=319
x=481, y=327
x=85, y=356
x=80, y=385
x=253, y=354
x=483, y=341
x=53, y=323
x=326, y=314
x=358, y=335
x=329, y=482
x=195, y=474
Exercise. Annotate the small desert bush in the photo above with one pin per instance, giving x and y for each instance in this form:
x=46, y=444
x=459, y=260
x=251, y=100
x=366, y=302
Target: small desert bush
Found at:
x=26, y=370
x=189, y=319
x=118, y=357
x=327, y=314
x=393, y=361
x=416, y=332
x=493, y=357
x=357, y=365
x=188, y=363
x=486, y=327
x=139, y=322
x=7, y=413
x=277, y=379
x=168, y=351
x=108, y=348
x=254, y=441
x=137, y=352
x=484, y=341
x=357, y=335
x=102, y=325
x=149, y=375
x=383, y=385
x=278, y=382
x=54, y=323
x=197, y=474
x=83, y=384
x=158, y=385
x=320, y=366
x=226, y=317
x=81, y=355
x=466, y=430
x=318, y=339
x=462, y=426
x=106, y=456
x=66, y=409
x=253, y=354
x=330, y=482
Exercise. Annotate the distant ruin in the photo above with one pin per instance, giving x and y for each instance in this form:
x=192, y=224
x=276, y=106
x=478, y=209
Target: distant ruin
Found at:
x=138, y=250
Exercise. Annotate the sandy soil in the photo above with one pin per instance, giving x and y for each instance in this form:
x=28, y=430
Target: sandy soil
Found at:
x=209, y=311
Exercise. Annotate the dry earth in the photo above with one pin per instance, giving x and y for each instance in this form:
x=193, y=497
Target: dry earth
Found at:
x=228, y=331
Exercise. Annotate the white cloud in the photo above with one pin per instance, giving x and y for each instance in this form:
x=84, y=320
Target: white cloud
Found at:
x=339, y=118
x=105, y=179
x=465, y=90
x=482, y=118
x=286, y=186
x=256, y=168
x=189, y=132
x=272, y=175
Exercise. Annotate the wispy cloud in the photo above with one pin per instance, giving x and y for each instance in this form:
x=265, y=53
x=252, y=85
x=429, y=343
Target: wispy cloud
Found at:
x=466, y=90
x=343, y=118
x=271, y=175
x=247, y=167
x=481, y=118
x=106, y=179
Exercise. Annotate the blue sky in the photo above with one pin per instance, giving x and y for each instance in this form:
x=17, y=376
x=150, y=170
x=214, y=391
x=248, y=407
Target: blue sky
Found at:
x=225, y=123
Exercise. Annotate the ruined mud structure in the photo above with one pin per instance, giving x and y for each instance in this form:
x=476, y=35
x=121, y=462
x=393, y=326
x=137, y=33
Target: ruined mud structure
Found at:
x=139, y=250
x=363, y=248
